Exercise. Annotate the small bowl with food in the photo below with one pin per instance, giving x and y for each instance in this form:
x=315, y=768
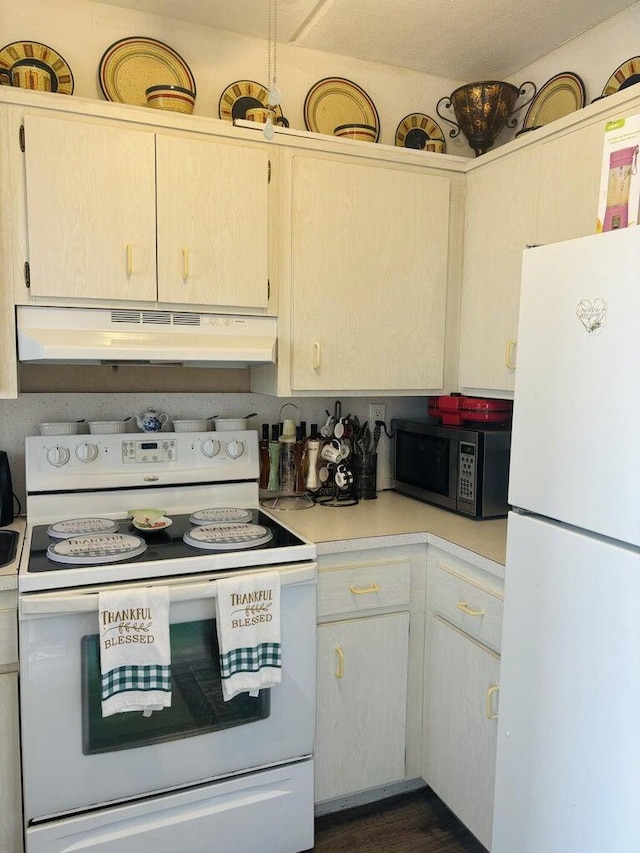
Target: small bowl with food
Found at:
x=149, y=520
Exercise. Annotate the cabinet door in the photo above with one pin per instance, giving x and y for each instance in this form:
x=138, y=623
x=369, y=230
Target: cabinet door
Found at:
x=569, y=182
x=361, y=704
x=369, y=269
x=460, y=742
x=500, y=219
x=90, y=210
x=10, y=791
x=212, y=223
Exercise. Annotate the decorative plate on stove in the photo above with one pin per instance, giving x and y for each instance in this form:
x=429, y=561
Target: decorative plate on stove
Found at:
x=80, y=526
x=241, y=96
x=93, y=550
x=221, y=515
x=227, y=537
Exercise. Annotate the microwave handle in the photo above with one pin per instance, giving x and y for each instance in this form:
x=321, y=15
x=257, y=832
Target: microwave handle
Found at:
x=54, y=603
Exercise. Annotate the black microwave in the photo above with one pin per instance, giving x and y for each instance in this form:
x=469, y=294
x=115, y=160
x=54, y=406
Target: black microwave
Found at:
x=459, y=468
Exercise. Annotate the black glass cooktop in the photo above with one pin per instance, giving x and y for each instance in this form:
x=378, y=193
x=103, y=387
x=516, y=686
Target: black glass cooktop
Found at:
x=164, y=544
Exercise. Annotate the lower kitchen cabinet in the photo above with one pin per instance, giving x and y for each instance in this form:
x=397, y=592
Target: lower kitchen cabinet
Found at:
x=10, y=791
x=461, y=683
x=462, y=728
x=361, y=704
x=369, y=674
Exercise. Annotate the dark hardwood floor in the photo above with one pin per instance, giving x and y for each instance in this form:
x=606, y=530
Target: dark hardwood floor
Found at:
x=412, y=823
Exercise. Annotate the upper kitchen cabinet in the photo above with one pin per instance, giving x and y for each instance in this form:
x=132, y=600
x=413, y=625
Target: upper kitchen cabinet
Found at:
x=541, y=189
x=369, y=276
x=364, y=270
x=500, y=219
x=116, y=213
x=90, y=210
x=212, y=212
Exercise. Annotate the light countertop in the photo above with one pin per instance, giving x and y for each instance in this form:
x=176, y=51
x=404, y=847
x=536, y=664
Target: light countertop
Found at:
x=8, y=573
x=394, y=519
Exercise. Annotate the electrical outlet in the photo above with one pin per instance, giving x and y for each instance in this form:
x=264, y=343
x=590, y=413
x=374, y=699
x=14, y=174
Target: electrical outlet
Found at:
x=377, y=412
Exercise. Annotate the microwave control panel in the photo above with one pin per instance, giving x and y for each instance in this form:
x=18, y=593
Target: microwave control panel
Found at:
x=467, y=472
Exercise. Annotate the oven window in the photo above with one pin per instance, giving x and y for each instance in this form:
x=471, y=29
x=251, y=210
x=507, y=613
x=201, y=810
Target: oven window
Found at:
x=423, y=461
x=197, y=705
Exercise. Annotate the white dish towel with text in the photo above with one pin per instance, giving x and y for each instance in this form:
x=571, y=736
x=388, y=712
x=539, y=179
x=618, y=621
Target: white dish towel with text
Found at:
x=248, y=626
x=135, y=653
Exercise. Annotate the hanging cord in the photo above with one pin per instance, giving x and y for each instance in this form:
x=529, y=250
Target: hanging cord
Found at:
x=272, y=63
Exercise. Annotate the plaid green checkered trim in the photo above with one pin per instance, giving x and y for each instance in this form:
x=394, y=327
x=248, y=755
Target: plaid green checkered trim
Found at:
x=250, y=659
x=126, y=678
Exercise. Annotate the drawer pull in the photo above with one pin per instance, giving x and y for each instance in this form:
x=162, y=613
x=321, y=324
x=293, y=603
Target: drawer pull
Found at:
x=129, y=260
x=509, y=363
x=185, y=264
x=357, y=591
x=491, y=714
x=316, y=358
x=340, y=667
x=462, y=605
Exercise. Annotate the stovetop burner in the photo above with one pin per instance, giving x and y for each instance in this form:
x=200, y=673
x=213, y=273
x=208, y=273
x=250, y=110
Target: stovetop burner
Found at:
x=167, y=544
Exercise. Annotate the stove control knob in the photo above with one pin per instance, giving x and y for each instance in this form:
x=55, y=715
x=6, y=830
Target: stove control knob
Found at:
x=235, y=449
x=86, y=452
x=210, y=447
x=58, y=456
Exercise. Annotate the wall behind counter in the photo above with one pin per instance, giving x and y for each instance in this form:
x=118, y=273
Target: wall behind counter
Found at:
x=20, y=418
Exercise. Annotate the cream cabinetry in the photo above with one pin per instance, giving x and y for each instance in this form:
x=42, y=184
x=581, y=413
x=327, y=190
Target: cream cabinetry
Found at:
x=369, y=256
x=462, y=670
x=541, y=189
x=368, y=721
x=369, y=275
x=11, y=837
x=103, y=198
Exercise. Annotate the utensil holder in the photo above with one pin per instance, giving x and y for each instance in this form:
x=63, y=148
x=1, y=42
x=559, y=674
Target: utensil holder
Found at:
x=365, y=476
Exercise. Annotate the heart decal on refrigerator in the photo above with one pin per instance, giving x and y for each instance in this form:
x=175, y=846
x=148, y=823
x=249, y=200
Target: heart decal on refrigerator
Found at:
x=592, y=315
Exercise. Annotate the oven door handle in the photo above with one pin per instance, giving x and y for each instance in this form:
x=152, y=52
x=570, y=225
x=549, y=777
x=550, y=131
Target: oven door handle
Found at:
x=64, y=602
x=35, y=605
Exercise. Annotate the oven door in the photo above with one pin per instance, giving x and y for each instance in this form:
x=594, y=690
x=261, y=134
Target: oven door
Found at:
x=74, y=759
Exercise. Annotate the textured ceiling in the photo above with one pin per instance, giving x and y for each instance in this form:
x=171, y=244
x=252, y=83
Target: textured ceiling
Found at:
x=457, y=39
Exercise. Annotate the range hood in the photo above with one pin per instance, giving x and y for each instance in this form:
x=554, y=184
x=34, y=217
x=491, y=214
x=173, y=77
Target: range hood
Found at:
x=129, y=336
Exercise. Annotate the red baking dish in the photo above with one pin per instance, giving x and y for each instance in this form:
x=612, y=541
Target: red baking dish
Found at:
x=456, y=409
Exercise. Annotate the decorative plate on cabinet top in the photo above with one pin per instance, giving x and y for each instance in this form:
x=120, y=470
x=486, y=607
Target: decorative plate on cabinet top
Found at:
x=334, y=101
x=129, y=66
x=627, y=74
x=416, y=129
x=19, y=51
x=241, y=96
x=562, y=94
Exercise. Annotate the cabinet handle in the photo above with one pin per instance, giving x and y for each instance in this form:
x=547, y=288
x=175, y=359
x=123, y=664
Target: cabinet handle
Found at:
x=356, y=591
x=462, y=605
x=508, y=354
x=129, y=260
x=316, y=350
x=491, y=714
x=340, y=667
x=185, y=264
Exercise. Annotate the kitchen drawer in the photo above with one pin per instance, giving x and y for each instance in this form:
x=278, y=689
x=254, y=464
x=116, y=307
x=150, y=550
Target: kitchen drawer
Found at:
x=469, y=606
x=364, y=586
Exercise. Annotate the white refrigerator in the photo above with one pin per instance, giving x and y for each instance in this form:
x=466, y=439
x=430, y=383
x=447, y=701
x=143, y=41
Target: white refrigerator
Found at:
x=568, y=758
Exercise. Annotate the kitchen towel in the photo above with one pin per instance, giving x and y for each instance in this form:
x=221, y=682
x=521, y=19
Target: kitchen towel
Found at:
x=248, y=625
x=135, y=653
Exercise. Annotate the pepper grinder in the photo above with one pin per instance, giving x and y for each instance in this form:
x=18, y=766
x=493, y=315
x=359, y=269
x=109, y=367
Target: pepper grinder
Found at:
x=265, y=467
